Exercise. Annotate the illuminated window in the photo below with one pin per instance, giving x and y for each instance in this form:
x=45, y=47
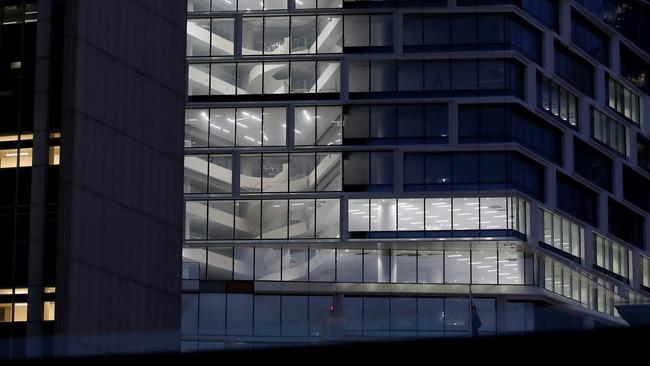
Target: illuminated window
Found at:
x=5, y=313
x=55, y=155
x=20, y=312
x=48, y=310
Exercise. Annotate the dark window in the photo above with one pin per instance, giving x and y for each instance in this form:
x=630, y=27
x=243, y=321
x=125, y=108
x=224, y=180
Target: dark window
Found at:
x=574, y=70
x=643, y=153
x=546, y=11
x=436, y=78
x=625, y=16
x=589, y=38
x=577, y=200
x=390, y=124
x=635, y=69
x=592, y=165
x=509, y=123
x=368, y=171
x=626, y=224
x=636, y=188
x=473, y=171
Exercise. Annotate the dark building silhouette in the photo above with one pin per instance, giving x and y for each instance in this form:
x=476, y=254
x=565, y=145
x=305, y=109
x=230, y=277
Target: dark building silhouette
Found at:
x=90, y=169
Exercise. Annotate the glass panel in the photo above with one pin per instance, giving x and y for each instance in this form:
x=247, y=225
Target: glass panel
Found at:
x=431, y=314
x=220, y=173
x=220, y=261
x=329, y=126
x=222, y=127
x=494, y=213
x=276, y=78
x=243, y=263
x=196, y=220
x=276, y=35
x=376, y=266
x=410, y=214
x=303, y=34
x=294, y=264
x=303, y=172
x=250, y=178
x=320, y=315
x=267, y=315
x=466, y=213
x=239, y=322
x=358, y=215
x=223, y=79
x=329, y=172
x=430, y=266
x=305, y=122
x=322, y=265
x=275, y=127
x=252, y=36
x=249, y=5
x=484, y=266
x=457, y=266
x=196, y=127
x=221, y=220
x=196, y=174
x=274, y=219
x=383, y=215
x=328, y=76
x=249, y=78
x=198, y=79
x=302, y=219
x=267, y=264
x=438, y=214
x=357, y=30
x=295, y=315
x=223, y=36
x=456, y=315
x=249, y=127
x=404, y=268
x=348, y=265
x=223, y=5
x=330, y=34
x=248, y=216
x=275, y=171
x=198, y=37
x=303, y=77
x=327, y=219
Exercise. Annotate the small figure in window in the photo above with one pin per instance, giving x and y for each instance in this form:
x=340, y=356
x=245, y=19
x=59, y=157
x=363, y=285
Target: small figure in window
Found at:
x=476, y=321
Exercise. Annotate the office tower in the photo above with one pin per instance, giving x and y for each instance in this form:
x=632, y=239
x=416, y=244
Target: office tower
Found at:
x=90, y=170
x=371, y=169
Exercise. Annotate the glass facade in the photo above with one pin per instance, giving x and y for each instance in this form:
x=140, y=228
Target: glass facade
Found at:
x=351, y=167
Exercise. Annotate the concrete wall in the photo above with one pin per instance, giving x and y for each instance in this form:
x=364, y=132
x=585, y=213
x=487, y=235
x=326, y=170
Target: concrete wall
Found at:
x=119, y=255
